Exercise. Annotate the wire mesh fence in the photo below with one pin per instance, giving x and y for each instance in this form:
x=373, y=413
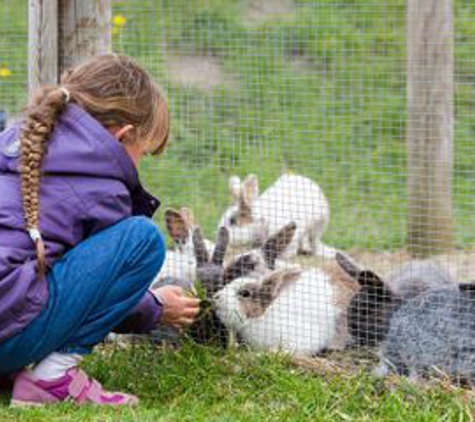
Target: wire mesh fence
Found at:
x=289, y=128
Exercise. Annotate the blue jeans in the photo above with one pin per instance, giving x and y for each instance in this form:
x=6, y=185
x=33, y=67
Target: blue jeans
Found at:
x=91, y=290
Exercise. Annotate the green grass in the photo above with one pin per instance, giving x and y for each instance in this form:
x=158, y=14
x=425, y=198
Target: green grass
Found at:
x=202, y=384
x=320, y=92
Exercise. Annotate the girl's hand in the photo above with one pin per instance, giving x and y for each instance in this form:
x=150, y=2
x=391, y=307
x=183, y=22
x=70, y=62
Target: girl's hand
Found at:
x=179, y=311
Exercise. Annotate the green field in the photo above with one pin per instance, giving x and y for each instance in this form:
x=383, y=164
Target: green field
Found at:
x=319, y=90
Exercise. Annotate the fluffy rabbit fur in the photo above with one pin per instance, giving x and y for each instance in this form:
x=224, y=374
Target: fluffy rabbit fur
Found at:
x=252, y=218
x=180, y=263
x=433, y=333
x=288, y=310
x=373, y=306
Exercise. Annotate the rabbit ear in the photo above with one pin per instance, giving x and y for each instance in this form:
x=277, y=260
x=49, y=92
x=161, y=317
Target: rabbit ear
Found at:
x=250, y=190
x=364, y=277
x=201, y=253
x=277, y=244
x=240, y=267
x=188, y=217
x=176, y=226
x=348, y=265
x=468, y=288
x=274, y=283
x=370, y=279
x=235, y=187
x=221, y=246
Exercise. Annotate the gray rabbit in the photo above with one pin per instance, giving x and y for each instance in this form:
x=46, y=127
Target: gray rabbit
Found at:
x=372, y=307
x=432, y=333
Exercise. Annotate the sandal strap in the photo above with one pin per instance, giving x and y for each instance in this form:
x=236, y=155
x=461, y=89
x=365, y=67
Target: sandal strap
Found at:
x=83, y=388
x=78, y=384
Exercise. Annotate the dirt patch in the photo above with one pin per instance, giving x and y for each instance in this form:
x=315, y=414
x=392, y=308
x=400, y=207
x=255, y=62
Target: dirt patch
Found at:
x=261, y=11
x=203, y=72
x=460, y=264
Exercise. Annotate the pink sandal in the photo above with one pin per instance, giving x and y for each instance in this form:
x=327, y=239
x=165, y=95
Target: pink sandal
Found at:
x=74, y=386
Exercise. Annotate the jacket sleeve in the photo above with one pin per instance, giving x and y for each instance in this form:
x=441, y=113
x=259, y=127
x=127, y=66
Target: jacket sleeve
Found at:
x=143, y=318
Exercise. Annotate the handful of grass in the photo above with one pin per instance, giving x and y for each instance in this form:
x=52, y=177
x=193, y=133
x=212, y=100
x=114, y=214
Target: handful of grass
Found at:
x=207, y=328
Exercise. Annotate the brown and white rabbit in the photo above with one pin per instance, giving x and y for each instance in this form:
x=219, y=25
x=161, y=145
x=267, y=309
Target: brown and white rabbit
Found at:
x=180, y=262
x=288, y=310
x=295, y=310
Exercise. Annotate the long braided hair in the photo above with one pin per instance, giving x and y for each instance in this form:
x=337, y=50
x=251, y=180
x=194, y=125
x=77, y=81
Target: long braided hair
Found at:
x=116, y=91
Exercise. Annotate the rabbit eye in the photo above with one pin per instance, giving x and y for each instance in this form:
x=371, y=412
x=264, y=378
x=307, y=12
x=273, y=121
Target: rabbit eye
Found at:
x=233, y=220
x=245, y=293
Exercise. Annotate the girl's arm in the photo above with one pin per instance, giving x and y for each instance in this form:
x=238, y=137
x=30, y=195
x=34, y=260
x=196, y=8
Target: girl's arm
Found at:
x=143, y=318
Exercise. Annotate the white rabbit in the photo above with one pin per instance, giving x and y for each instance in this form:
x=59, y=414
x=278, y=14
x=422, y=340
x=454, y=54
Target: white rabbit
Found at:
x=252, y=218
x=180, y=263
x=287, y=310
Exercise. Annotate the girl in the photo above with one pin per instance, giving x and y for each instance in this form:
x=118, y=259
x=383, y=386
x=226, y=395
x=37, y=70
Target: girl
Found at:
x=77, y=249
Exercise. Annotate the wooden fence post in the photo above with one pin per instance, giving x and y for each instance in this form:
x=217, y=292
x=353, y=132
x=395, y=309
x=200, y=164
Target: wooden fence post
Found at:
x=429, y=125
x=42, y=43
x=85, y=30
x=62, y=33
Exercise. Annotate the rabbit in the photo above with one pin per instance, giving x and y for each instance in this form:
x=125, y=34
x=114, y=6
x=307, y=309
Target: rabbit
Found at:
x=269, y=256
x=432, y=333
x=180, y=263
x=213, y=276
x=289, y=310
x=372, y=307
x=253, y=218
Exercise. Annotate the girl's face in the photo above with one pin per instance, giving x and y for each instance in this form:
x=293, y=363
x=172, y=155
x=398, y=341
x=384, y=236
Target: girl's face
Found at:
x=135, y=150
x=135, y=153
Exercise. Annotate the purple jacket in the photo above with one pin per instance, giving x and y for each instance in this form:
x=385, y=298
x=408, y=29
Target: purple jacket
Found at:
x=90, y=183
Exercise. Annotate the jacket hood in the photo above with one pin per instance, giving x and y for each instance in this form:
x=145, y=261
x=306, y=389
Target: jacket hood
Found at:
x=80, y=145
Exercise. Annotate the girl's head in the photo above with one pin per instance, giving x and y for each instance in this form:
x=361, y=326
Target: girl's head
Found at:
x=113, y=89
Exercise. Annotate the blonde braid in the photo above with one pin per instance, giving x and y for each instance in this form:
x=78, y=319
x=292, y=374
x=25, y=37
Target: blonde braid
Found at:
x=39, y=123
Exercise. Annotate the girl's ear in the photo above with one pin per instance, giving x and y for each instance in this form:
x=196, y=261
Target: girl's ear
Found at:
x=122, y=132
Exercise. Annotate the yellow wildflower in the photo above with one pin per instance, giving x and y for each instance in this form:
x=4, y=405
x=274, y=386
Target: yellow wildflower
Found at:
x=119, y=21
x=5, y=72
